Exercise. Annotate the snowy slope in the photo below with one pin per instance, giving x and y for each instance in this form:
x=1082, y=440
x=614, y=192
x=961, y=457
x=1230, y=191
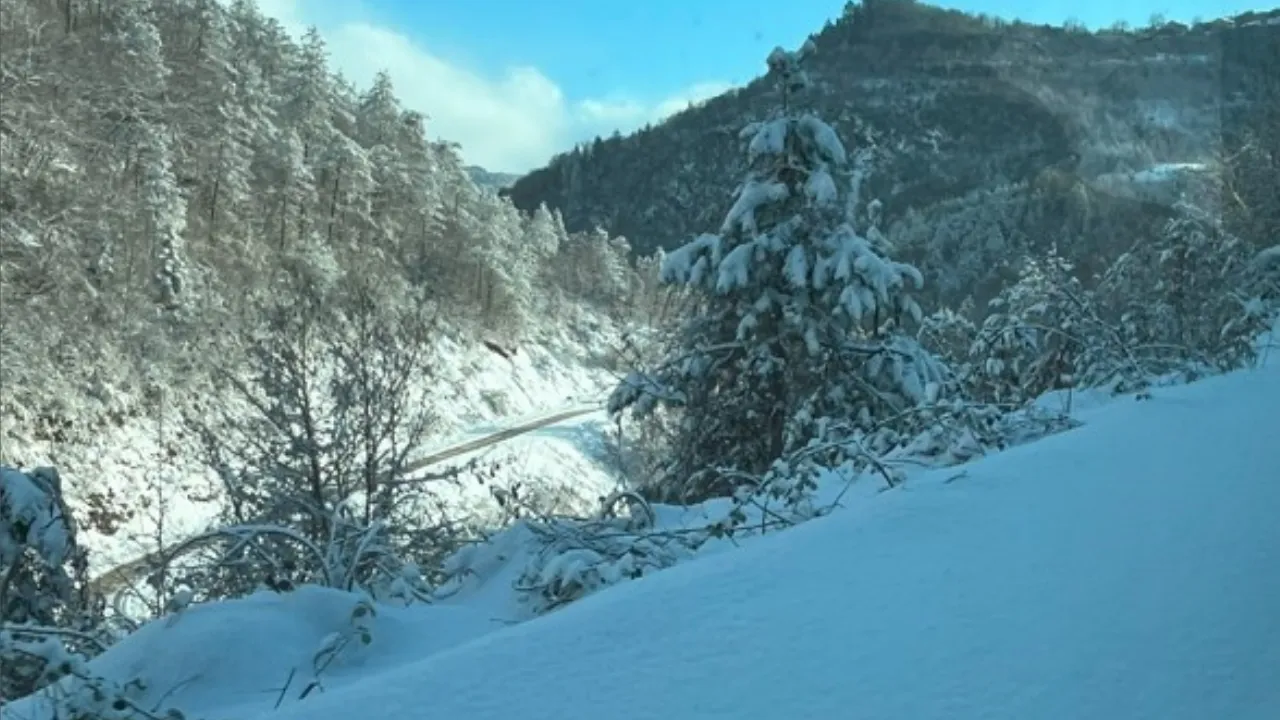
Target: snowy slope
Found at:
x=1127, y=569
x=479, y=393
x=562, y=467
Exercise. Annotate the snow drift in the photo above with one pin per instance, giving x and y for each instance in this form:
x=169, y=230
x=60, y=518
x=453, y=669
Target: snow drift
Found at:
x=1126, y=569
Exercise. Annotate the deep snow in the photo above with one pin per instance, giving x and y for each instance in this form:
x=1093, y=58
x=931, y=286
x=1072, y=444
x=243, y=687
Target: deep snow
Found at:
x=1127, y=569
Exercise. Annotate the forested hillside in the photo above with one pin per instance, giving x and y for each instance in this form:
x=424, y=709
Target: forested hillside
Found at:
x=176, y=171
x=1002, y=137
x=259, y=279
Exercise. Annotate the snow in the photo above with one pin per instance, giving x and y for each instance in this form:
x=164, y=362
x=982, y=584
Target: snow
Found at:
x=28, y=503
x=796, y=267
x=1125, y=569
x=1166, y=172
x=735, y=269
x=821, y=188
x=767, y=138
x=276, y=638
x=559, y=466
x=1262, y=22
x=1268, y=256
x=753, y=195
x=825, y=138
x=479, y=393
x=1161, y=182
x=682, y=264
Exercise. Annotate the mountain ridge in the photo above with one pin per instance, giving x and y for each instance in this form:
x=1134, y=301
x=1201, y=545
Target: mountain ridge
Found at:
x=490, y=179
x=947, y=104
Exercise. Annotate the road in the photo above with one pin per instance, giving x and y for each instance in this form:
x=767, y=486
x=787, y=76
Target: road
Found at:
x=119, y=576
x=495, y=438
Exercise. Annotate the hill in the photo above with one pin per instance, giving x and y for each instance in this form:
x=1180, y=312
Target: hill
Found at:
x=486, y=178
x=201, y=224
x=1036, y=123
x=226, y=265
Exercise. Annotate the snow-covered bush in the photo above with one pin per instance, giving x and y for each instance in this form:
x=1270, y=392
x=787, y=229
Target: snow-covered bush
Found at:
x=577, y=559
x=797, y=332
x=1265, y=274
x=236, y=560
x=1193, y=299
x=1032, y=337
x=75, y=692
x=1186, y=302
x=47, y=609
x=558, y=560
x=1048, y=331
x=358, y=632
x=51, y=623
x=950, y=334
x=315, y=453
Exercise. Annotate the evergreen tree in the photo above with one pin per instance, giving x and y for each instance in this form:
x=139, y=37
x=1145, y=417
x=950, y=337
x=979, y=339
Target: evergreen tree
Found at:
x=797, y=334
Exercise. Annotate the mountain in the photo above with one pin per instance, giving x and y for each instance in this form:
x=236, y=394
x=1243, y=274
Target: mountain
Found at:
x=486, y=178
x=953, y=111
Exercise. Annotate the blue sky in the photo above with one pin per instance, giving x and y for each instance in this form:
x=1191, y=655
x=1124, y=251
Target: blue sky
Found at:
x=652, y=47
x=515, y=81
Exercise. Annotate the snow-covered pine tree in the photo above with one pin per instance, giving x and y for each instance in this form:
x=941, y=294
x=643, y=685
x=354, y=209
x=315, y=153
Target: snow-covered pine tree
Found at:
x=1189, y=300
x=1037, y=336
x=796, y=338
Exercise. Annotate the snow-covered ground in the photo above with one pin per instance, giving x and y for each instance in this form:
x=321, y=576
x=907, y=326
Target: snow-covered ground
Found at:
x=1160, y=183
x=563, y=464
x=479, y=393
x=1124, y=569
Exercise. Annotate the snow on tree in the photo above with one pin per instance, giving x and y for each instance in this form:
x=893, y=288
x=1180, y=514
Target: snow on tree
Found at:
x=164, y=215
x=1048, y=331
x=1192, y=299
x=798, y=335
x=43, y=581
x=311, y=97
x=1188, y=301
x=35, y=519
x=134, y=53
x=197, y=156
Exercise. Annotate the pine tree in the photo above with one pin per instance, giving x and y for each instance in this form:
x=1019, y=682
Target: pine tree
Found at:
x=163, y=214
x=798, y=332
x=213, y=129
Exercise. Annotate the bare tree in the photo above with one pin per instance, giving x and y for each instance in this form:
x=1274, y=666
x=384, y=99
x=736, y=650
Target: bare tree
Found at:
x=323, y=428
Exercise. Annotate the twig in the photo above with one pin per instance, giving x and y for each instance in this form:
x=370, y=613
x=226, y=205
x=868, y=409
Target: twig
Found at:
x=288, y=682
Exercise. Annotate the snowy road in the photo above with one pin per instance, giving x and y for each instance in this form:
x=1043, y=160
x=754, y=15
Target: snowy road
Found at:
x=462, y=448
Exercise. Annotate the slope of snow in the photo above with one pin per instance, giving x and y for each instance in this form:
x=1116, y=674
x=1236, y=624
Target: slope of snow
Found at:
x=1126, y=569
x=559, y=467
x=479, y=392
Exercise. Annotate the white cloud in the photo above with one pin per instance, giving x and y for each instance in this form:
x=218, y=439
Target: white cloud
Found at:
x=512, y=123
x=628, y=114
